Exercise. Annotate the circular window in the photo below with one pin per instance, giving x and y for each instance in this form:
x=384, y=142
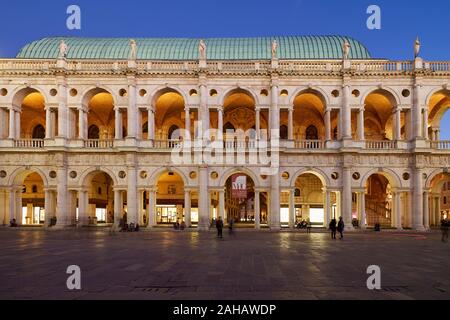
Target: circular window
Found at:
x=356, y=176
x=425, y=176
x=335, y=176
x=193, y=93
x=123, y=93
x=406, y=93
x=122, y=174
x=284, y=93
x=213, y=93
x=3, y=92
x=214, y=175
x=335, y=93
x=52, y=174
x=142, y=92
x=73, y=174
x=285, y=175
x=53, y=92
x=406, y=176
x=193, y=175
x=73, y=92
x=143, y=174
x=2, y=174
x=264, y=177
x=356, y=93
x=264, y=92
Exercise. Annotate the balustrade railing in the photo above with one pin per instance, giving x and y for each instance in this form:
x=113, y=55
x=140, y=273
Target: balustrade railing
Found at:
x=310, y=144
x=443, y=144
x=381, y=145
x=98, y=144
x=29, y=143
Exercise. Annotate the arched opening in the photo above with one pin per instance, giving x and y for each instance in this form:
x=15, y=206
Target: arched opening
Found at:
x=170, y=200
x=38, y=132
x=101, y=116
x=309, y=201
x=284, y=135
x=309, y=116
x=33, y=200
x=437, y=114
x=379, y=201
x=241, y=203
x=379, y=121
x=170, y=116
x=438, y=202
x=240, y=116
x=94, y=132
x=31, y=104
x=96, y=204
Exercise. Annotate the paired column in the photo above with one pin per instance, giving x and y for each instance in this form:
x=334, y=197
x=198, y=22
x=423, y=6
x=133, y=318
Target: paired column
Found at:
x=62, y=201
x=274, y=214
x=151, y=124
x=291, y=123
x=292, y=208
x=425, y=123
x=187, y=208
x=418, y=204
x=63, y=110
x=48, y=123
x=83, y=208
x=220, y=124
x=426, y=210
x=417, y=111
x=203, y=199
x=362, y=209
x=118, y=124
x=258, y=123
x=398, y=126
x=327, y=125
x=12, y=123
x=132, y=111
x=118, y=206
x=347, y=197
x=132, y=208
x=361, y=136
x=398, y=210
x=346, y=116
x=187, y=123
x=257, y=210
x=82, y=123
x=152, y=208
x=222, y=211
x=327, y=207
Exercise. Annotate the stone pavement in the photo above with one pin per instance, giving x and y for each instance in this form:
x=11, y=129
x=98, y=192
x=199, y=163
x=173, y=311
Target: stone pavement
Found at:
x=250, y=265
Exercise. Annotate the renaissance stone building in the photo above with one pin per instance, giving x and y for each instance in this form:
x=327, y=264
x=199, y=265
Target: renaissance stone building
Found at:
x=91, y=130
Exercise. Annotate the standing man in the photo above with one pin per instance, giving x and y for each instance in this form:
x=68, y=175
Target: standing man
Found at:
x=340, y=228
x=333, y=229
x=219, y=226
x=444, y=229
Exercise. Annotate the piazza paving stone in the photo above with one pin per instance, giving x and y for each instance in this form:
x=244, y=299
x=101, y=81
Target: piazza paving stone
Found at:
x=250, y=265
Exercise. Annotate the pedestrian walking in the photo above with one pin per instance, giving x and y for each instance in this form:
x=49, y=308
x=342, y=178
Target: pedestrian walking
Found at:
x=219, y=226
x=340, y=228
x=445, y=224
x=333, y=224
x=230, y=226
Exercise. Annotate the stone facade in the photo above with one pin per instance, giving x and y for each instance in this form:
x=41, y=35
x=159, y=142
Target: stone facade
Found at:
x=406, y=149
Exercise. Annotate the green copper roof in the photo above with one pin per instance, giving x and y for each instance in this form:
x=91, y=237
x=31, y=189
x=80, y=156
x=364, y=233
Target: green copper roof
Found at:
x=289, y=48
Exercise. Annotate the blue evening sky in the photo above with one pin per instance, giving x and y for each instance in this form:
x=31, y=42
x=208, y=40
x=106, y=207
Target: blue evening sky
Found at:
x=402, y=21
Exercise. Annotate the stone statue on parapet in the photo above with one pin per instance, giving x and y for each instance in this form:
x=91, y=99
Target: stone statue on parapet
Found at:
x=62, y=50
x=416, y=48
x=346, y=50
x=202, y=50
x=133, y=49
x=274, y=49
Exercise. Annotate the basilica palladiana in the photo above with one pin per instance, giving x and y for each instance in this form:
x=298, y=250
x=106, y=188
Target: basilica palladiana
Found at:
x=265, y=131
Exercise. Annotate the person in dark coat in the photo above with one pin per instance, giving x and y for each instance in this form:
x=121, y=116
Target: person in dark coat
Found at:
x=340, y=227
x=219, y=226
x=444, y=228
x=230, y=226
x=333, y=228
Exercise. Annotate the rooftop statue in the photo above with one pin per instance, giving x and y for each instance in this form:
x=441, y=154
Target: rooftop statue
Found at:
x=346, y=50
x=63, y=50
x=274, y=49
x=133, y=51
x=202, y=50
x=416, y=48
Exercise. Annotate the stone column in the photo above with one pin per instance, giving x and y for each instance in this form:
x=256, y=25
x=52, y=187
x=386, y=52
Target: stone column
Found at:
x=361, y=136
x=203, y=197
x=326, y=207
x=152, y=208
x=187, y=123
x=118, y=124
x=426, y=210
x=417, y=110
x=83, y=208
x=118, y=206
x=19, y=207
x=12, y=123
x=63, y=110
x=425, y=123
x=82, y=124
x=398, y=210
x=220, y=123
x=151, y=124
x=140, y=207
x=48, y=123
x=204, y=110
x=187, y=208
x=418, y=203
x=291, y=123
x=12, y=204
x=258, y=123
x=47, y=206
x=346, y=113
x=132, y=208
x=62, y=209
x=362, y=207
x=328, y=124
x=274, y=214
x=222, y=211
x=347, y=197
x=398, y=126
x=257, y=210
x=292, y=208
x=132, y=111
x=2, y=123
x=17, y=116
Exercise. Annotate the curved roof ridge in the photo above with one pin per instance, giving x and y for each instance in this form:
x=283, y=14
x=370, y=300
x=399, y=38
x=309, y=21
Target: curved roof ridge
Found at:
x=227, y=48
